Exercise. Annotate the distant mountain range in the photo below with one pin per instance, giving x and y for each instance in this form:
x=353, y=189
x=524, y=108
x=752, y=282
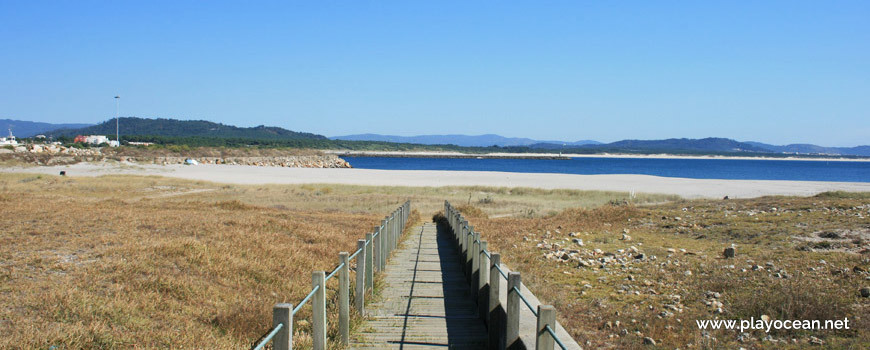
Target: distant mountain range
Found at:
x=186, y=128
x=804, y=148
x=144, y=129
x=705, y=145
x=459, y=140
x=23, y=128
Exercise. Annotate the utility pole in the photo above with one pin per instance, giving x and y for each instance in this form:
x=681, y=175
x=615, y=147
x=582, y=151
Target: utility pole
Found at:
x=117, y=115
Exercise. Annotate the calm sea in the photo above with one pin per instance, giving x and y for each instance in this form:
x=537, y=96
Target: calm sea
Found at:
x=760, y=169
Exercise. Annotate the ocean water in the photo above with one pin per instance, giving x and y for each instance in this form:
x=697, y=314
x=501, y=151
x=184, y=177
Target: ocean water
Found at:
x=739, y=169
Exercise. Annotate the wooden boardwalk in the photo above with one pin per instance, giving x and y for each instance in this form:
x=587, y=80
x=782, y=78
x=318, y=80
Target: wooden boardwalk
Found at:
x=425, y=302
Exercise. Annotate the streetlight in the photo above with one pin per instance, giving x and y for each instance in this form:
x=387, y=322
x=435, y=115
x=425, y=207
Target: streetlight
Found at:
x=117, y=114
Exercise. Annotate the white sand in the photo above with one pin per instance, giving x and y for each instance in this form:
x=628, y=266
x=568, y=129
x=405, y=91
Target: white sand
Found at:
x=574, y=155
x=240, y=174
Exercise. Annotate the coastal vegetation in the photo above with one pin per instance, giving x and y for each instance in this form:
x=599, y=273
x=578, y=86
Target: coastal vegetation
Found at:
x=127, y=261
x=131, y=261
x=623, y=272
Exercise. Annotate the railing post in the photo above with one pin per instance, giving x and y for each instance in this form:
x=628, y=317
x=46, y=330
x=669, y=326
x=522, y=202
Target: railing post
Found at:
x=283, y=314
x=385, y=231
x=512, y=326
x=318, y=310
x=393, y=229
x=460, y=234
x=377, y=249
x=475, y=265
x=546, y=316
x=463, y=240
x=368, y=262
x=359, y=295
x=482, y=291
x=382, y=251
x=401, y=220
x=344, y=298
x=388, y=234
x=469, y=241
x=392, y=224
x=398, y=233
x=494, y=319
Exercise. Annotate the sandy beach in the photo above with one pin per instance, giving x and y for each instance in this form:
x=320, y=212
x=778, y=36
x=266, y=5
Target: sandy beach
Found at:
x=576, y=155
x=239, y=174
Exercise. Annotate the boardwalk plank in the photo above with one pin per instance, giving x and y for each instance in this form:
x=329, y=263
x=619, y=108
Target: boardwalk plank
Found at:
x=425, y=302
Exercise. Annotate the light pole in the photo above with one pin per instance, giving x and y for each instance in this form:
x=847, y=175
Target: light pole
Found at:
x=117, y=115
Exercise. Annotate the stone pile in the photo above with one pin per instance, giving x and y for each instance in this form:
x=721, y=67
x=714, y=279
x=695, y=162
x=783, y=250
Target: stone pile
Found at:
x=326, y=161
x=555, y=251
x=58, y=154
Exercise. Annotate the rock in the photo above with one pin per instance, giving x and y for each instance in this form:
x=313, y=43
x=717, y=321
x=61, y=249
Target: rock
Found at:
x=640, y=256
x=687, y=273
x=649, y=341
x=865, y=292
x=577, y=241
x=729, y=252
x=626, y=238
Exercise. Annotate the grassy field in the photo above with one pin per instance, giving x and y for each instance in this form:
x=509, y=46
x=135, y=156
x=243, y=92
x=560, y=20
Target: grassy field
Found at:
x=796, y=258
x=124, y=261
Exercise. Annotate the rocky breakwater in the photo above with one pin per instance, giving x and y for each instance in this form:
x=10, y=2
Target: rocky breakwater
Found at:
x=52, y=154
x=316, y=161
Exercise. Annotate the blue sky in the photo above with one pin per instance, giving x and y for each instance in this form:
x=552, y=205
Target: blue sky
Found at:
x=770, y=71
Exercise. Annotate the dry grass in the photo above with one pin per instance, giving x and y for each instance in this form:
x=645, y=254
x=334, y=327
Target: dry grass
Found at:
x=124, y=262
x=128, y=261
x=614, y=306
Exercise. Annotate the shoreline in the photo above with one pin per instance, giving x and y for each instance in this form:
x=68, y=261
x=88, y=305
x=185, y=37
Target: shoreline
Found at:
x=254, y=175
x=451, y=155
x=434, y=154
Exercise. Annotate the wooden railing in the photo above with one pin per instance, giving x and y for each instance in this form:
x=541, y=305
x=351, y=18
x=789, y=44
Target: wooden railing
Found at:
x=371, y=254
x=502, y=321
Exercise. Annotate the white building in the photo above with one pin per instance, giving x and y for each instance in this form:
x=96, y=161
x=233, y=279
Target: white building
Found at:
x=8, y=141
x=96, y=139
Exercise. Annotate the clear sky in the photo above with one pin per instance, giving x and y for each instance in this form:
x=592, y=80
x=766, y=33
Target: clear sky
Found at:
x=770, y=71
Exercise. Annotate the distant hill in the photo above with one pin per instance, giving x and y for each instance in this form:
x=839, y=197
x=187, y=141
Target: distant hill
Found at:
x=23, y=128
x=710, y=144
x=186, y=128
x=459, y=140
x=802, y=148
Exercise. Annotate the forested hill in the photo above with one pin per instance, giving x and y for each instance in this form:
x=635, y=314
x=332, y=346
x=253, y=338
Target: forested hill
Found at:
x=710, y=144
x=23, y=128
x=186, y=128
